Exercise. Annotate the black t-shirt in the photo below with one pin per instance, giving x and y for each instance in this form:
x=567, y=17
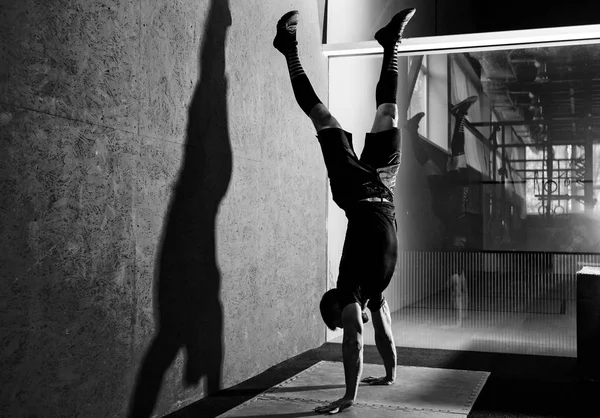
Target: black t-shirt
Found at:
x=369, y=255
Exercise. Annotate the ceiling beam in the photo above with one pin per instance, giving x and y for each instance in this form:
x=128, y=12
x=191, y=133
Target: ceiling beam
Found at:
x=536, y=145
x=554, y=121
x=539, y=160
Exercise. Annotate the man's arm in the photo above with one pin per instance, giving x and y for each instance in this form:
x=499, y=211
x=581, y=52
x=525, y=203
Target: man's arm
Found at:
x=384, y=340
x=352, y=348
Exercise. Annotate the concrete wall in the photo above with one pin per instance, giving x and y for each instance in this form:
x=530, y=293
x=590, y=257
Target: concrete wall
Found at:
x=162, y=202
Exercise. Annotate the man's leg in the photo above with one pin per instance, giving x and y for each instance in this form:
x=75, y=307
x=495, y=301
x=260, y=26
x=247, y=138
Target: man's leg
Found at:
x=285, y=41
x=458, y=159
x=412, y=127
x=382, y=150
x=386, y=116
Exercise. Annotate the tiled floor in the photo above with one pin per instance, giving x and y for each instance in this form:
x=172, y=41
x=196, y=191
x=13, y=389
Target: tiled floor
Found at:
x=523, y=332
x=418, y=392
x=519, y=386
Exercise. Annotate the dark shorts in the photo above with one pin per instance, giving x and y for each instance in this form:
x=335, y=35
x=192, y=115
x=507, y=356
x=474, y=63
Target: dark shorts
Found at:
x=372, y=175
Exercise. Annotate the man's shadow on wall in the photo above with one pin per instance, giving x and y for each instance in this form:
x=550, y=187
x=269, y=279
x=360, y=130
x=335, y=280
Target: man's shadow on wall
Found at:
x=187, y=277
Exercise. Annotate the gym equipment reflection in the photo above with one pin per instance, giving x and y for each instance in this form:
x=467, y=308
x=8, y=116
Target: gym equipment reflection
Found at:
x=532, y=146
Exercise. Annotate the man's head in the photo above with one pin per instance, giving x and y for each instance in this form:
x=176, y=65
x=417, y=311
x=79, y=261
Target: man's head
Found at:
x=332, y=312
x=330, y=309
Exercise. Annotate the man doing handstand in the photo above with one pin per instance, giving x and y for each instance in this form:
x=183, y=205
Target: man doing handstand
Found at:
x=364, y=188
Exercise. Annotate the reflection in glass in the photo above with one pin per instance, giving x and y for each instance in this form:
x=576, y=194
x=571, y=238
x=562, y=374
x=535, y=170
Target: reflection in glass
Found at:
x=531, y=218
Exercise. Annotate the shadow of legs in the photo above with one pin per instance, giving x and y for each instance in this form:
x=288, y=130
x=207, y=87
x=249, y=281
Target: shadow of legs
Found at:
x=159, y=357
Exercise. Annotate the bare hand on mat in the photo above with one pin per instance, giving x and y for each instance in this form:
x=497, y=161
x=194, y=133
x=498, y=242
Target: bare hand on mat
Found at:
x=378, y=381
x=335, y=407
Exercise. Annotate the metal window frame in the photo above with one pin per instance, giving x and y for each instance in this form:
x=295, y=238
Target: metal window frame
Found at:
x=569, y=35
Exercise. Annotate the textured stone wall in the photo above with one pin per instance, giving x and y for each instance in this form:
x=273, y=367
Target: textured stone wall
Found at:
x=162, y=202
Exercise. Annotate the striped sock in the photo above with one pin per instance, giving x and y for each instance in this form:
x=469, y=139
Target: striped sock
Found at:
x=303, y=90
x=393, y=59
x=293, y=62
x=465, y=199
x=458, y=139
x=387, y=85
x=461, y=127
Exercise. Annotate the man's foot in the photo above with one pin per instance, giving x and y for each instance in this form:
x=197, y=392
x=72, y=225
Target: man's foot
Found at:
x=192, y=374
x=412, y=126
x=392, y=32
x=463, y=107
x=413, y=123
x=286, y=32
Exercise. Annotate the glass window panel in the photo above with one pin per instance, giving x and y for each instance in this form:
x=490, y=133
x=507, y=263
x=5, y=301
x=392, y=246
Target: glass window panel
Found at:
x=530, y=205
x=511, y=229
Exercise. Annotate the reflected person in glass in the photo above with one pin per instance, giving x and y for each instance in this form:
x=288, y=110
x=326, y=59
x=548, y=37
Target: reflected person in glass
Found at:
x=450, y=198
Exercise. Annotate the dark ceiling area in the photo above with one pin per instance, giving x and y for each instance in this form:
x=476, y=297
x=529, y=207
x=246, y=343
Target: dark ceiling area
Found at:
x=476, y=16
x=551, y=94
x=548, y=97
